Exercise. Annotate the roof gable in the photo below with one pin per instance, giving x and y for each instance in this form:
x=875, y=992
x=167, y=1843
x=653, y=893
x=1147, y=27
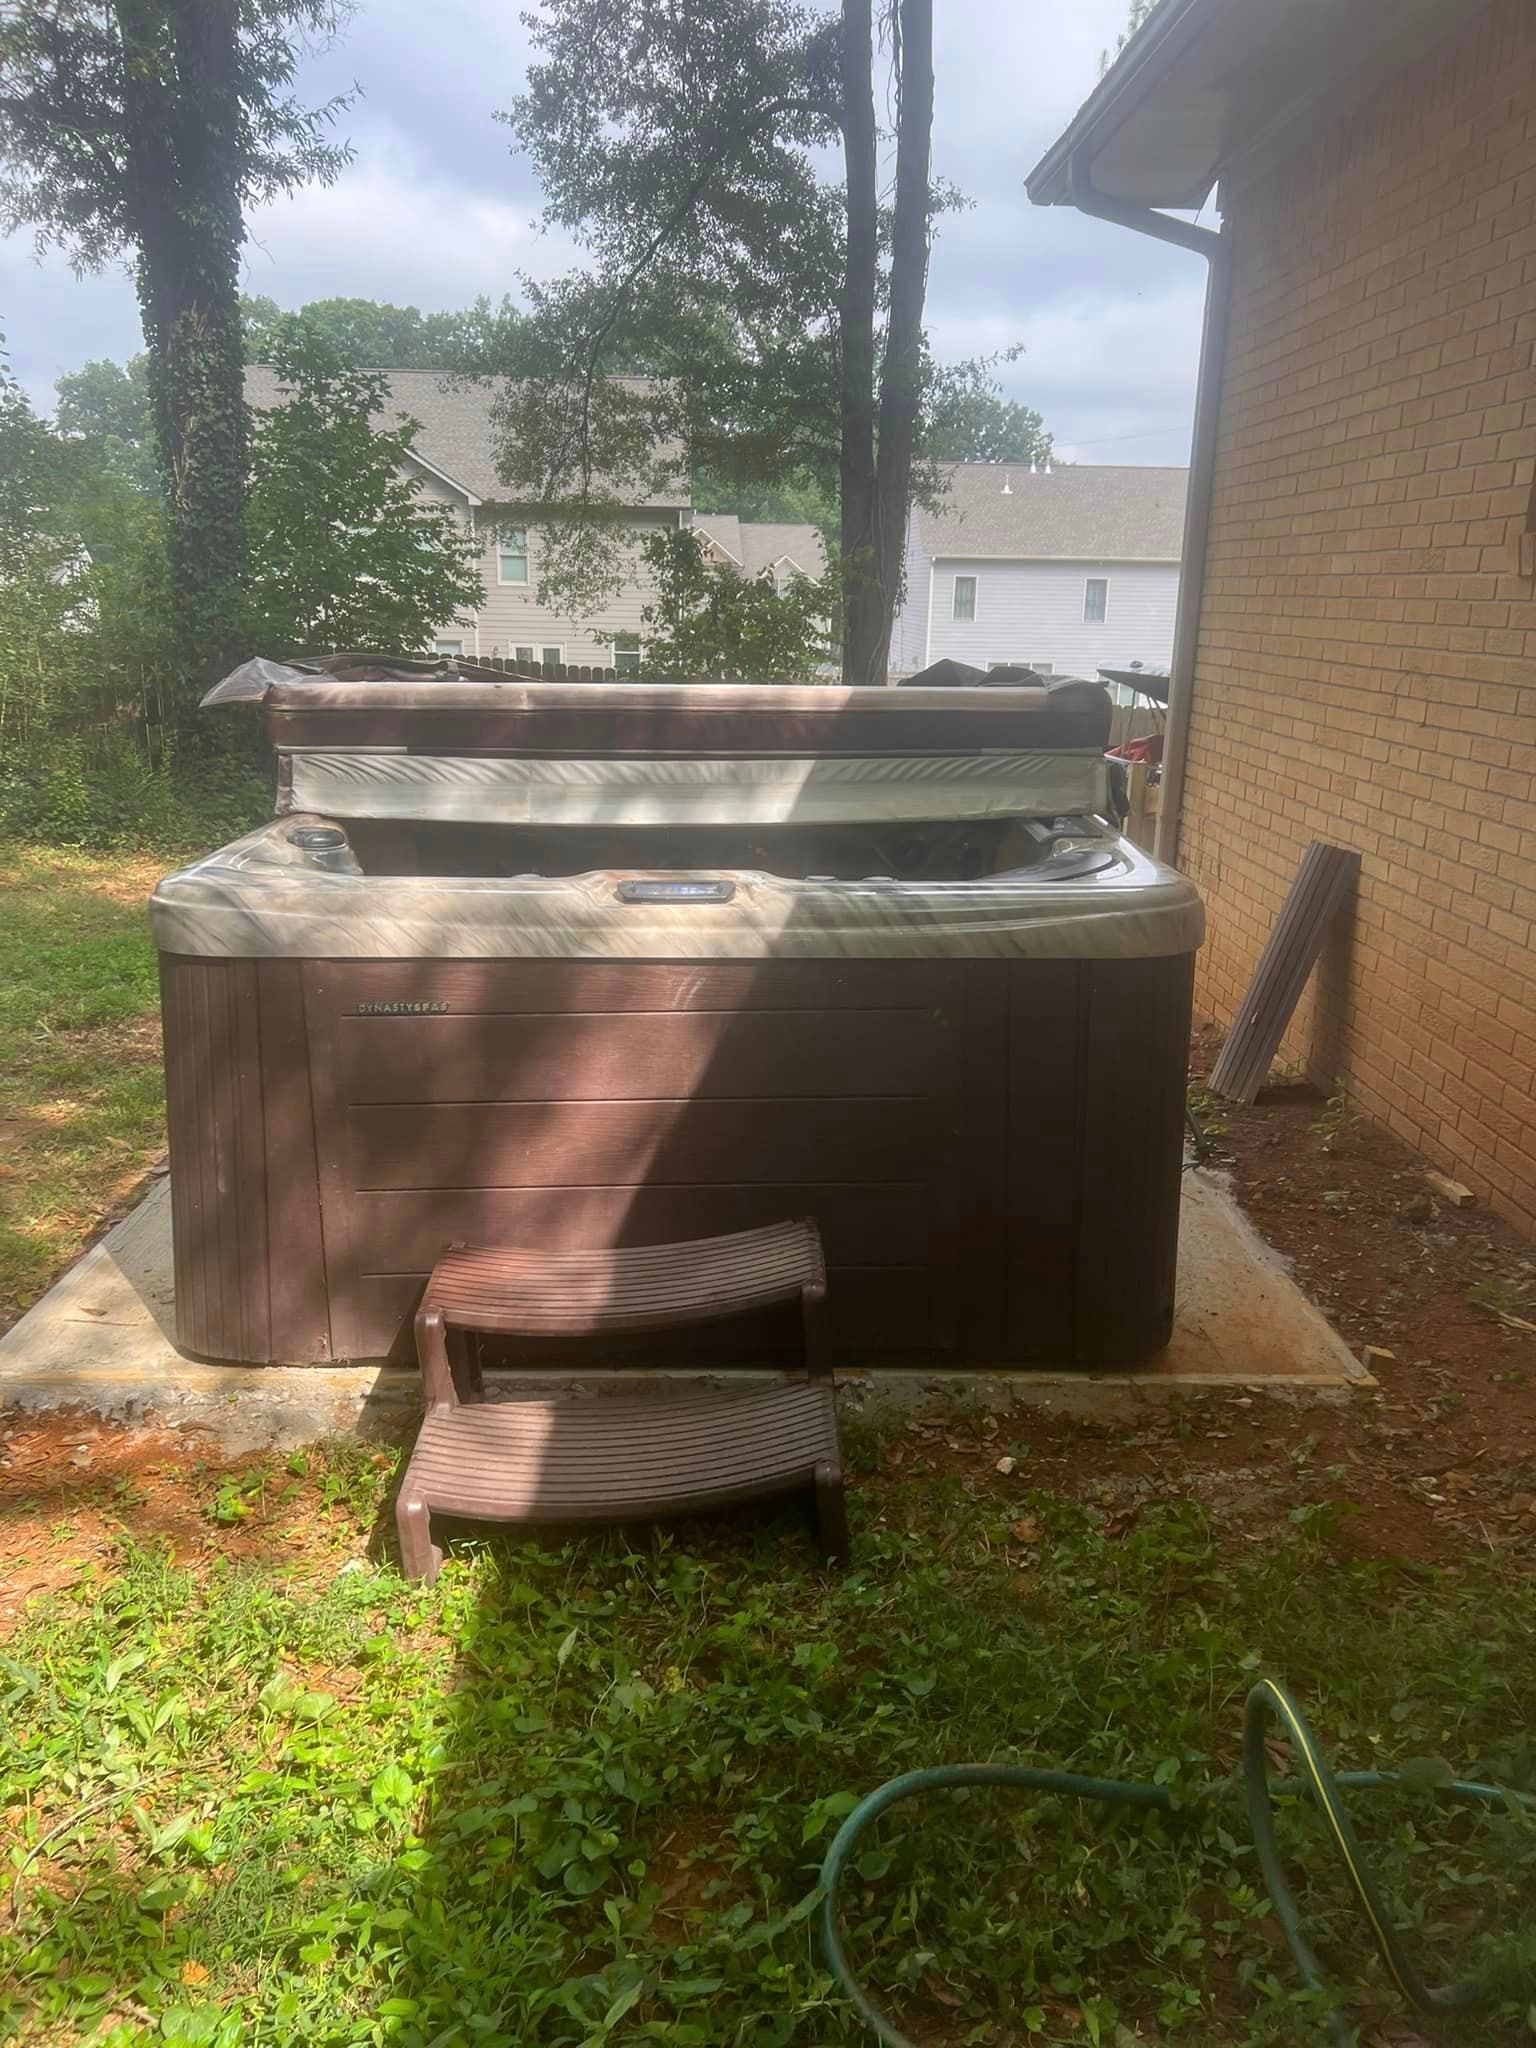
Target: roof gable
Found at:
x=456, y=439
x=1073, y=512
x=758, y=544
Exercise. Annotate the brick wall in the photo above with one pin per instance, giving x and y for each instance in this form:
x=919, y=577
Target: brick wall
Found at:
x=1367, y=658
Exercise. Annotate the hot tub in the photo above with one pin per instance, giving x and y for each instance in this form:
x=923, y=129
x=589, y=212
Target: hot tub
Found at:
x=572, y=964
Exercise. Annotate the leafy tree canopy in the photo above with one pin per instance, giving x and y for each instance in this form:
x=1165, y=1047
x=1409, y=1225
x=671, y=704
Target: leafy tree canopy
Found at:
x=708, y=620
x=36, y=475
x=1136, y=14
x=343, y=549
x=374, y=335
x=68, y=78
x=106, y=405
x=148, y=127
x=969, y=420
x=687, y=147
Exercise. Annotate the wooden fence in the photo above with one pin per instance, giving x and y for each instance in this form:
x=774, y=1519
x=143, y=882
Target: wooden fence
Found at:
x=548, y=671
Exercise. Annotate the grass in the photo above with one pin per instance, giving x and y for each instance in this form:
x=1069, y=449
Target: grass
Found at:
x=579, y=1796
x=81, y=1099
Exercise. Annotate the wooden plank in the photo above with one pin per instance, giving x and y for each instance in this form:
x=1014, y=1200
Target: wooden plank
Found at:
x=1134, y=1024
x=491, y=988
x=885, y=1312
x=214, y=1109
x=630, y=1144
x=1324, y=883
x=561, y=1056
x=299, y=1305
x=862, y=1223
x=1041, y=1110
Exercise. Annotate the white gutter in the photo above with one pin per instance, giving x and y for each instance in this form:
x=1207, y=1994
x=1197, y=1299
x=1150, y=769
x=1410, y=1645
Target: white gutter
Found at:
x=1217, y=250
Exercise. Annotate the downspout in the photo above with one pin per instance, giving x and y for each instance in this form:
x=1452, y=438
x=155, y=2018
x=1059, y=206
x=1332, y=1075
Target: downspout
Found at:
x=475, y=535
x=1217, y=250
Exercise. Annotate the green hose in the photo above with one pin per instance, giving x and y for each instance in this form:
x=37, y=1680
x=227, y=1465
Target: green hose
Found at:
x=1267, y=1699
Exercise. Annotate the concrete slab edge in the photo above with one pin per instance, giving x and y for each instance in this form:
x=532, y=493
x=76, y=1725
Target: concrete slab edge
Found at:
x=249, y=1408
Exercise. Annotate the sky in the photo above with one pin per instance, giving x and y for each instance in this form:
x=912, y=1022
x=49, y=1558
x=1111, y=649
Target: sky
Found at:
x=436, y=209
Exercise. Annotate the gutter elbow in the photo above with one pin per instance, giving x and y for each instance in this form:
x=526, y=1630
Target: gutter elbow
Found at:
x=1143, y=220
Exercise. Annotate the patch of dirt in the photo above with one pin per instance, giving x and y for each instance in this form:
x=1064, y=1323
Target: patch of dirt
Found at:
x=694, y=1878
x=74, y=1490
x=1439, y=1458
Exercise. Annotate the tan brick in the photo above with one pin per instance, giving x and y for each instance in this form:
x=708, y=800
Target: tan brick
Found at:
x=1367, y=660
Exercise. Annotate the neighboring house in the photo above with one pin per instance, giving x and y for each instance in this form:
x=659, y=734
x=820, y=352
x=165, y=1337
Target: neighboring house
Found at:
x=1356, y=653
x=758, y=547
x=454, y=465
x=1064, y=569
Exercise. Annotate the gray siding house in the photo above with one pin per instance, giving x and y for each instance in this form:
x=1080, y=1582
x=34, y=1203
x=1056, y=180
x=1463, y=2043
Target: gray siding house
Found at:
x=1065, y=569
x=453, y=464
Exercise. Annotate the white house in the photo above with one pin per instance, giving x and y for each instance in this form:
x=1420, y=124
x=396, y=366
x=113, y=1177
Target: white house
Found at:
x=454, y=464
x=1065, y=569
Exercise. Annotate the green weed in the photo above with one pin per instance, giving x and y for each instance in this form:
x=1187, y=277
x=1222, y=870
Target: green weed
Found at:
x=81, y=1096
x=579, y=1795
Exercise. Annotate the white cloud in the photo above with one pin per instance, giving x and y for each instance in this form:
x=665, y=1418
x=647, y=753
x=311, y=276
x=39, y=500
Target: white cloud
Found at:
x=392, y=227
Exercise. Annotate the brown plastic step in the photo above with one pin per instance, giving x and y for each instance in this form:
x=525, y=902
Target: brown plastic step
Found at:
x=638, y=1287
x=621, y=1457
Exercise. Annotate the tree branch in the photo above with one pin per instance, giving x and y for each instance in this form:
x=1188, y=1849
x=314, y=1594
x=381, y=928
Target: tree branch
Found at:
x=733, y=147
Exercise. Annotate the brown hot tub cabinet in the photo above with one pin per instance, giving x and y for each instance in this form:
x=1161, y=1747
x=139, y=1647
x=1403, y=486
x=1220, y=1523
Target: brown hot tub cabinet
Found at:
x=574, y=966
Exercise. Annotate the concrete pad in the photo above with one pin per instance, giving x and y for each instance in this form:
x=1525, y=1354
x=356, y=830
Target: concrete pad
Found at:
x=101, y=1341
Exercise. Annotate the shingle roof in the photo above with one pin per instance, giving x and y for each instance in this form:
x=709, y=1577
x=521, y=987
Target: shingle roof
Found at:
x=1077, y=512
x=756, y=544
x=456, y=438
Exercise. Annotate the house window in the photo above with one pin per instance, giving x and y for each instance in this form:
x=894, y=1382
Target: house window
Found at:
x=626, y=654
x=1095, y=600
x=552, y=657
x=450, y=647
x=525, y=655
x=965, y=597
x=512, y=555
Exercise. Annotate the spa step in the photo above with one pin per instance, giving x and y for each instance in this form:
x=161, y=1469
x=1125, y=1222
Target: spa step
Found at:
x=642, y=1287
x=620, y=1457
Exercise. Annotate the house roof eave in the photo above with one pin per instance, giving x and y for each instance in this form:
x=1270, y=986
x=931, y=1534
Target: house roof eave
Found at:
x=415, y=455
x=1055, y=561
x=1204, y=84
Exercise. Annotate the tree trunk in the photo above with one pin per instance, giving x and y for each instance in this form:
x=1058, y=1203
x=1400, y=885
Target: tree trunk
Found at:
x=863, y=599
x=183, y=124
x=901, y=370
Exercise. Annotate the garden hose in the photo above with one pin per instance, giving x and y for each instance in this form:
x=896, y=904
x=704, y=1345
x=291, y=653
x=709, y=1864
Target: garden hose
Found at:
x=1267, y=1700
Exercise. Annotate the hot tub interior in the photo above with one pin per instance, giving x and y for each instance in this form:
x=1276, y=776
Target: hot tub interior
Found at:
x=935, y=850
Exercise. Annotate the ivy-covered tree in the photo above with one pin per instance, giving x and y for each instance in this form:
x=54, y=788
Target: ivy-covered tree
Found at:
x=779, y=313
x=344, y=550
x=708, y=620
x=147, y=127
